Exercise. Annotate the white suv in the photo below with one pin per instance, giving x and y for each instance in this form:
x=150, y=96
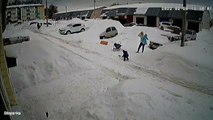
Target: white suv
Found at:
x=72, y=28
x=164, y=25
x=190, y=35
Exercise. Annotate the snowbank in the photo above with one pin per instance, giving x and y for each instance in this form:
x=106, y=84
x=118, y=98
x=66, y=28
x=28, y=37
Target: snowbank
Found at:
x=74, y=77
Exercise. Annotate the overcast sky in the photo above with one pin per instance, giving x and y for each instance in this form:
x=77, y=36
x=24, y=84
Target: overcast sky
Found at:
x=78, y=4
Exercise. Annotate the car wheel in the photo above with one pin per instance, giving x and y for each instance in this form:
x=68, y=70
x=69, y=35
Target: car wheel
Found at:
x=68, y=32
x=82, y=29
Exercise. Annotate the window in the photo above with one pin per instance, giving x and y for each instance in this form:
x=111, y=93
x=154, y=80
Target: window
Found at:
x=70, y=25
x=28, y=10
x=76, y=25
x=113, y=28
x=9, y=13
x=108, y=30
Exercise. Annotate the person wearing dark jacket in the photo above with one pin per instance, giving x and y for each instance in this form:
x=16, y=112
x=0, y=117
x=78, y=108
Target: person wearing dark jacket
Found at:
x=125, y=55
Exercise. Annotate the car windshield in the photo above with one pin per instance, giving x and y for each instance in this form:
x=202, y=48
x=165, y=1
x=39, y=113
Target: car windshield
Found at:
x=113, y=28
x=69, y=25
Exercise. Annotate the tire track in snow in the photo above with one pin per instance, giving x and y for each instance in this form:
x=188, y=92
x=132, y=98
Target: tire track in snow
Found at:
x=175, y=80
x=108, y=71
x=132, y=66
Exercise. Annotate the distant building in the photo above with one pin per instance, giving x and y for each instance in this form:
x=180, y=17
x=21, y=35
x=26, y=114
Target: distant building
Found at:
x=206, y=20
x=97, y=12
x=196, y=19
x=81, y=14
x=151, y=14
x=12, y=14
x=124, y=15
x=139, y=16
x=26, y=12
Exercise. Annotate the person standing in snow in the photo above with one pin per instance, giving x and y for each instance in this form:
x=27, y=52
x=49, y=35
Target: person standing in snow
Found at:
x=143, y=41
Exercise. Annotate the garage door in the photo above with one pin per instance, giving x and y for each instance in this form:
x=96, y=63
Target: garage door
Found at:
x=177, y=22
x=193, y=26
x=140, y=20
x=151, y=21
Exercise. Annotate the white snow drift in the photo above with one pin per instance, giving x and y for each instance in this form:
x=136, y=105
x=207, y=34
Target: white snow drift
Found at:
x=74, y=77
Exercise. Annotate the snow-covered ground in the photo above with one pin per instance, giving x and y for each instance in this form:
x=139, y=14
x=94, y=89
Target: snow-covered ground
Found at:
x=74, y=77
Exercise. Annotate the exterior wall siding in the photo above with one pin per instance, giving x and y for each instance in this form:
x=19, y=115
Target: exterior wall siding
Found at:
x=157, y=21
x=28, y=13
x=41, y=12
x=12, y=14
x=96, y=13
x=140, y=16
x=25, y=13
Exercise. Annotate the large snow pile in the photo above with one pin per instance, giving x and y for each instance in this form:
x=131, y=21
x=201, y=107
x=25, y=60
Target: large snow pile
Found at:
x=74, y=77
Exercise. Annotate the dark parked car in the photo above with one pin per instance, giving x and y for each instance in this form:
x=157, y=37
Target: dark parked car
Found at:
x=129, y=24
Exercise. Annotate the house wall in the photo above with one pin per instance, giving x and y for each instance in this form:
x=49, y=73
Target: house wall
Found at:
x=26, y=13
x=121, y=19
x=200, y=26
x=157, y=22
x=12, y=14
x=206, y=20
x=140, y=16
x=40, y=12
x=129, y=18
x=97, y=13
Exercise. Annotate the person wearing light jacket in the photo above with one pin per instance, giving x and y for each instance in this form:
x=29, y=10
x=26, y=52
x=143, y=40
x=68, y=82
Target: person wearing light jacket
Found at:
x=143, y=41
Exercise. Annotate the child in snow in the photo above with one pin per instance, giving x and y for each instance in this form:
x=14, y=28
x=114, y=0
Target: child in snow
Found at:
x=143, y=41
x=125, y=55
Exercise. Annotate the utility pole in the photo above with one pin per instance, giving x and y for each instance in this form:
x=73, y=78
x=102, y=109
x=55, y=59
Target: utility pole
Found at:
x=184, y=24
x=94, y=9
x=66, y=12
x=46, y=14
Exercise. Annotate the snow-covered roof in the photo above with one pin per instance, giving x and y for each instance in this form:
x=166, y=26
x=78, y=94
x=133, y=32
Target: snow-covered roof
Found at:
x=143, y=7
x=141, y=10
x=119, y=12
x=162, y=5
x=24, y=5
x=83, y=9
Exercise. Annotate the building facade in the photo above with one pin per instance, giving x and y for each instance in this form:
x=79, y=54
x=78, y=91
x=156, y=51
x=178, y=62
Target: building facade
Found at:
x=123, y=15
x=81, y=14
x=196, y=19
x=24, y=12
x=12, y=14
